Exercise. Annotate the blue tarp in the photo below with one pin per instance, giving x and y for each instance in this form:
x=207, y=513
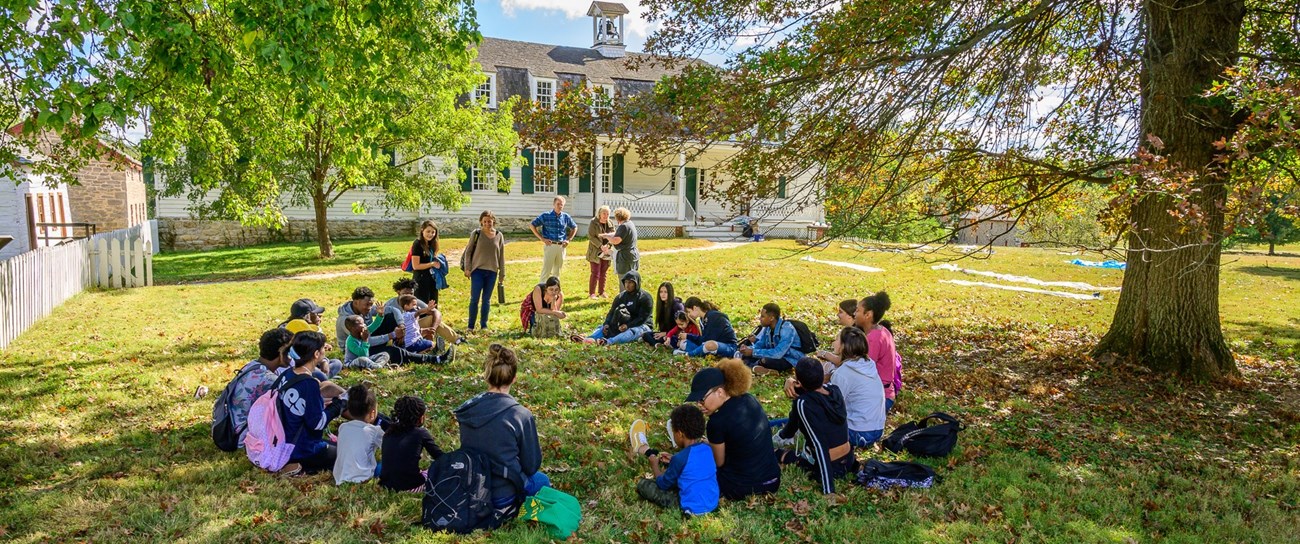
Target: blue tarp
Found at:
x=1105, y=264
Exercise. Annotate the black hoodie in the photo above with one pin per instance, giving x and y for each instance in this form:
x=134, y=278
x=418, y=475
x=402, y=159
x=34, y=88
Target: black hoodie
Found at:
x=823, y=419
x=638, y=303
x=498, y=426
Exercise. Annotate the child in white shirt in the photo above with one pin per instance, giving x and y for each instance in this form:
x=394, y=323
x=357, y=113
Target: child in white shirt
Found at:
x=359, y=439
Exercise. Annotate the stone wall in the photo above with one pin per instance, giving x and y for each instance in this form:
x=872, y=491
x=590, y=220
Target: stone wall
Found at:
x=189, y=234
x=110, y=193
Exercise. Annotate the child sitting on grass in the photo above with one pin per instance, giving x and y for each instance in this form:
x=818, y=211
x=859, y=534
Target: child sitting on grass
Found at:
x=690, y=481
x=359, y=438
x=304, y=315
x=419, y=339
x=819, y=413
x=357, y=351
x=685, y=325
x=402, y=444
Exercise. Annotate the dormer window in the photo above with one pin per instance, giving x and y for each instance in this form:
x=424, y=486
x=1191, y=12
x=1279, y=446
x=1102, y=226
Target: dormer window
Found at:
x=486, y=93
x=544, y=92
x=602, y=97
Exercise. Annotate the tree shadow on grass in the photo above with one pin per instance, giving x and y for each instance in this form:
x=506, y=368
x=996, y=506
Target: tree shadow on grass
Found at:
x=1272, y=272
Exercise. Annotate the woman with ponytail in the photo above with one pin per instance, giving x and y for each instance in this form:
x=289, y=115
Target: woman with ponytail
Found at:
x=495, y=424
x=303, y=412
x=880, y=341
x=405, y=439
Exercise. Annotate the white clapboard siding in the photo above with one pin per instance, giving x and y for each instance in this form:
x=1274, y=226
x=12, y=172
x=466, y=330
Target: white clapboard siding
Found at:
x=34, y=283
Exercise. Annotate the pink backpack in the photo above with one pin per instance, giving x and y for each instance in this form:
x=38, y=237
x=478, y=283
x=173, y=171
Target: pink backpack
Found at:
x=264, y=442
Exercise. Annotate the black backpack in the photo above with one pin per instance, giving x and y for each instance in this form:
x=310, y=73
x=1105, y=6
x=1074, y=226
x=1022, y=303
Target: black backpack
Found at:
x=458, y=492
x=807, y=340
x=224, y=433
x=880, y=475
x=921, y=439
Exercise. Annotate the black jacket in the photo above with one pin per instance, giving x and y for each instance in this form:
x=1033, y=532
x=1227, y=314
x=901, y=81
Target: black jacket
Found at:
x=638, y=303
x=715, y=326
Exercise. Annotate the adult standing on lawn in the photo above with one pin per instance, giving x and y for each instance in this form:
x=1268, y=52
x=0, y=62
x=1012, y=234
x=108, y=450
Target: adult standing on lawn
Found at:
x=425, y=263
x=599, y=252
x=737, y=431
x=484, y=262
x=626, y=256
x=555, y=229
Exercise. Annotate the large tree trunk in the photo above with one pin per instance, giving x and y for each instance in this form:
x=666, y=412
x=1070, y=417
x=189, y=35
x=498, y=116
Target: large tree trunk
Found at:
x=1271, y=246
x=1168, y=313
x=321, y=205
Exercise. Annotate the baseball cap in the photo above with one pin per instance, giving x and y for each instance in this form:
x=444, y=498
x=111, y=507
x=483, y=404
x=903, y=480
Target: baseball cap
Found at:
x=304, y=306
x=704, y=381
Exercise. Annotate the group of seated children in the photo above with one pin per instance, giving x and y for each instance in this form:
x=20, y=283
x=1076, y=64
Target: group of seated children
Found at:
x=403, y=330
x=372, y=446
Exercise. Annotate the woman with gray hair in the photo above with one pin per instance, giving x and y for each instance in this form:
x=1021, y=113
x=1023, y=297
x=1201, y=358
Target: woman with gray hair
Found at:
x=599, y=252
x=626, y=256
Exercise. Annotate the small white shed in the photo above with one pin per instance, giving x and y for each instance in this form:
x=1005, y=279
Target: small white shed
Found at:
x=32, y=213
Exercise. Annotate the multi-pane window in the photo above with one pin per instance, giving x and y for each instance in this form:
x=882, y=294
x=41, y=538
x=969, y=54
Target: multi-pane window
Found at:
x=544, y=93
x=482, y=180
x=485, y=93
x=544, y=171
x=606, y=174
x=672, y=181
x=602, y=98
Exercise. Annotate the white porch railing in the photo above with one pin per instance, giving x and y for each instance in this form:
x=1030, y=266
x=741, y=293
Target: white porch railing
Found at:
x=644, y=207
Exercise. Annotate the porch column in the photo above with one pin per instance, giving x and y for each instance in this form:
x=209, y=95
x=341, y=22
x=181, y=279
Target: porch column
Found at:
x=597, y=169
x=681, y=185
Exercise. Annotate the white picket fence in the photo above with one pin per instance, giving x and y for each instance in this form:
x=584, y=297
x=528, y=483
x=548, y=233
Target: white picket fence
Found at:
x=33, y=284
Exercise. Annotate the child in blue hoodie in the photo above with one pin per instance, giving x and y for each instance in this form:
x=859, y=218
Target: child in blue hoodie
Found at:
x=690, y=481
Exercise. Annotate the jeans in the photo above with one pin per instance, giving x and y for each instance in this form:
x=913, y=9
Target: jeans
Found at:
x=599, y=271
x=774, y=364
x=552, y=261
x=630, y=335
x=697, y=350
x=420, y=346
x=889, y=405
x=864, y=439
x=328, y=369
x=481, y=284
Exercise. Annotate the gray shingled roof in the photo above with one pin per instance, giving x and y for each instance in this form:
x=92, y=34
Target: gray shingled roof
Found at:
x=542, y=60
x=608, y=8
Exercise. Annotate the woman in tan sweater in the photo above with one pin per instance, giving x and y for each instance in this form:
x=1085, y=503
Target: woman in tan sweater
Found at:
x=484, y=263
x=599, y=252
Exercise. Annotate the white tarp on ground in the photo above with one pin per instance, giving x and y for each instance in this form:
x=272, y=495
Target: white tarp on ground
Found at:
x=858, y=267
x=1080, y=286
x=1080, y=296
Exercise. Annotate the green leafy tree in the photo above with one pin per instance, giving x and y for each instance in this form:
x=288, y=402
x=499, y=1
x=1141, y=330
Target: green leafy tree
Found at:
x=1010, y=105
x=252, y=105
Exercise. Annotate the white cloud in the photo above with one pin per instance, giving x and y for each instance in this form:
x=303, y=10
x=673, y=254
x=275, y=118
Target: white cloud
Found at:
x=577, y=9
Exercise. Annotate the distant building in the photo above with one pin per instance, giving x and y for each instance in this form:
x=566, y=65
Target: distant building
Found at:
x=663, y=200
x=29, y=207
x=988, y=225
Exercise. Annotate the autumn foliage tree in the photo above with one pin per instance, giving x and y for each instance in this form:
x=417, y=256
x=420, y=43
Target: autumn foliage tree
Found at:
x=1171, y=107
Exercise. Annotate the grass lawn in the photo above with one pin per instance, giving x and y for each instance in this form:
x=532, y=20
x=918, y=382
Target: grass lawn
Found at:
x=288, y=259
x=102, y=440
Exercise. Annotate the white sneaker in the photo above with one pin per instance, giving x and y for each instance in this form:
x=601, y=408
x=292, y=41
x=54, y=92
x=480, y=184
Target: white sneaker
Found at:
x=679, y=352
x=669, y=425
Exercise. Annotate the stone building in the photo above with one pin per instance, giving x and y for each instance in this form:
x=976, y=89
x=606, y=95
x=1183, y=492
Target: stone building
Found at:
x=110, y=192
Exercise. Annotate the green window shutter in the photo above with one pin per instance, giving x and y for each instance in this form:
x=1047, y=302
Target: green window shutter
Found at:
x=505, y=173
x=561, y=173
x=526, y=172
x=584, y=178
x=616, y=172
x=780, y=187
x=466, y=184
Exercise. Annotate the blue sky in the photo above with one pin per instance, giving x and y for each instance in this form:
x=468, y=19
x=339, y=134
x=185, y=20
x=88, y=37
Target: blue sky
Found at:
x=558, y=22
